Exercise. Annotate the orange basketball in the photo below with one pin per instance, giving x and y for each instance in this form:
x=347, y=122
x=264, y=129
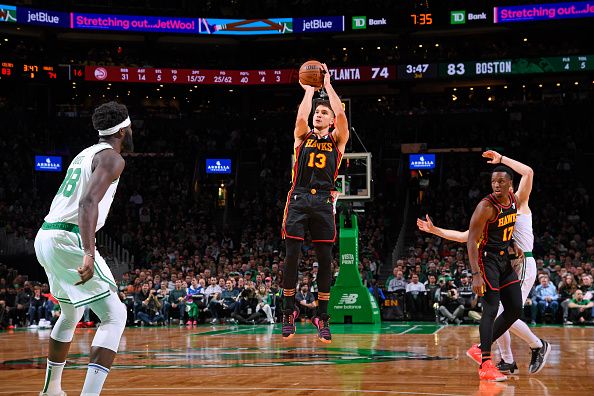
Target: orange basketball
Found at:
x=311, y=73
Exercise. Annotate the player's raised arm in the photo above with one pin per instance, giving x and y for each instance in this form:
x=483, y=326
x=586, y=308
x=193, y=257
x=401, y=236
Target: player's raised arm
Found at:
x=452, y=235
x=525, y=187
x=341, y=124
x=108, y=167
x=301, y=125
x=482, y=214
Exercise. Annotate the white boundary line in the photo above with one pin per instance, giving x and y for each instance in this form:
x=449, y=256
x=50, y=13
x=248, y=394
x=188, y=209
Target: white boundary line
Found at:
x=246, y=389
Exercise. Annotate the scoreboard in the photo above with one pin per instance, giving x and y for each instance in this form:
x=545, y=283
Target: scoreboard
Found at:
x=229, y=77
x=388, y=73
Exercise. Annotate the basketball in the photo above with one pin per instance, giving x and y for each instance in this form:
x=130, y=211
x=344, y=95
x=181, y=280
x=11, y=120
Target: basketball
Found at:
x=311, y=73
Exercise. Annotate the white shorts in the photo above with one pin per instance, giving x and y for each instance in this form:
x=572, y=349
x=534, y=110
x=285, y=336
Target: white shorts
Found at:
x=60, y=253
x=527, y=276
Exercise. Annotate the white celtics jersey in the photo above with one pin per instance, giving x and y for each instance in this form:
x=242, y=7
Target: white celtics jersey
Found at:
x=65, y=204
x=523, y=232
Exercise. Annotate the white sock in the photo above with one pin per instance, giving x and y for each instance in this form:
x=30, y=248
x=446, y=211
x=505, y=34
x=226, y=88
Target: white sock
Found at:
x=522, y=330
x=96, y=375
x=53, y=377
x=504, y=344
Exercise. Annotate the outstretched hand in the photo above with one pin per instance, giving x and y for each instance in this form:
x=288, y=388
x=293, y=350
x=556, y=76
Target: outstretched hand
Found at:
x=427, y=225
x=494, y=157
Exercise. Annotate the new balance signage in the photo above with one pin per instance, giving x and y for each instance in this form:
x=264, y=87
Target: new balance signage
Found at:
x=348, y=301
x=218, y=166
x=318, y=24
x=45, y=163
x=422, y=161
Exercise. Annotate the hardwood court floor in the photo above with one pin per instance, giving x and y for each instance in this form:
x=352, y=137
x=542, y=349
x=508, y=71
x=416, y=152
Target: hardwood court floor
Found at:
x=389, y=359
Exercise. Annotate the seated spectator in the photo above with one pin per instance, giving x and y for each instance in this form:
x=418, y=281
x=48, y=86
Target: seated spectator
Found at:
x=466, y=294
x=225, y=301
x=397, y=283
x=245, y=310
x=377, y=292
x=163, y=296
x=567, y=288
x=305, y=302
x=195, y=299
x=264, y=300
x=545, y=298
x=416, y=298
x=176, y=301
x=580, y=309
x=4, y=319
x=36, y=307
x=431, y=286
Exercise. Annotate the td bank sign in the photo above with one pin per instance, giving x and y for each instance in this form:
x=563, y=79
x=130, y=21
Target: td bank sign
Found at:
x=363, y=22
x=461, y=17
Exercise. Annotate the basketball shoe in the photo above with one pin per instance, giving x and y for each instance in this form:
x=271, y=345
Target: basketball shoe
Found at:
x=289, y=316
x=488, y=372
x=321, y=323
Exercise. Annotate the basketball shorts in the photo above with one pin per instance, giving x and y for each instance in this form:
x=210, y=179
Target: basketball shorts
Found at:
x=309, y=209
x=527, y=274
x=60, y=253
x=497, y=270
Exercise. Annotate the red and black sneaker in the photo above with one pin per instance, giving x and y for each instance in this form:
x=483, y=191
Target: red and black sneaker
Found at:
x=289, y=316
x=322, y=324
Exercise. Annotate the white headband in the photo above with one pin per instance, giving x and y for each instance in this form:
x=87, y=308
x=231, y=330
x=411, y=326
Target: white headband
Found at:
x=112, y=130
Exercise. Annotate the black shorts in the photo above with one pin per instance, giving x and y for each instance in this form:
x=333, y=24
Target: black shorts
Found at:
x=497, y=270
x=309, y=210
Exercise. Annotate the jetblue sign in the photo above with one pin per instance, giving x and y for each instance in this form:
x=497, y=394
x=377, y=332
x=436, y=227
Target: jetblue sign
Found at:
x=32, y=16
x=319, y=24
x=45, y=163
x=218, y=166
x=422, y=161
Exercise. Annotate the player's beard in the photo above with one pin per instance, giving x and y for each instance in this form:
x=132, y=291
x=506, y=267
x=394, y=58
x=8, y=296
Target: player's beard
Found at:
x=128, y=143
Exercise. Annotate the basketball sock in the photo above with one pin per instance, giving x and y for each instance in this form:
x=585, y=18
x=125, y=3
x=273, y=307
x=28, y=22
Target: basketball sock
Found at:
x=53, y=377
x=485, y=356
x=521, y=329
x=504, y=344
x=293, y=247
x=96, y=375
x=323, y=303
x=289, y=298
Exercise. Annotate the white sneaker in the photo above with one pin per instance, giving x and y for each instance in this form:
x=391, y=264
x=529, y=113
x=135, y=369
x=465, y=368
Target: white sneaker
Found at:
x=33, y=326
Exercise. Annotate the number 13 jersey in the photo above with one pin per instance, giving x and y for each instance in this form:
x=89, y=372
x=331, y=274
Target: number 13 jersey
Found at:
x=65, y=204
x=317, y=160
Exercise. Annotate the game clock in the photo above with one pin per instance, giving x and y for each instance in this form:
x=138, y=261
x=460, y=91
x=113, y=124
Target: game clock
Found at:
x=417, y=71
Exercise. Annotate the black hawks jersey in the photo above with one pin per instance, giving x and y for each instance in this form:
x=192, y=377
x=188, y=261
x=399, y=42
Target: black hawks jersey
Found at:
x=317, y=160
x=497, y=233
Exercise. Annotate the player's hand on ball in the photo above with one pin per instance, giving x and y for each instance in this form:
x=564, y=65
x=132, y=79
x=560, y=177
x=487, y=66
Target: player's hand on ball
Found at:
x=426, y=226
x=326, y=74
x=87, y=270
x=308, y=88
x=478, y=285
x=494, y=157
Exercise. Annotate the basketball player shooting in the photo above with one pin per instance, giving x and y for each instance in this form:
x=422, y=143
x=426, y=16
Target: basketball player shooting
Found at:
x=310, y=201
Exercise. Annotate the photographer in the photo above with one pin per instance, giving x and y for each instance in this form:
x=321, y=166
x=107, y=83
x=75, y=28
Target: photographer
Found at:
x=450, y=307
x=305, y=302
x=245, y=309
x=150, y=309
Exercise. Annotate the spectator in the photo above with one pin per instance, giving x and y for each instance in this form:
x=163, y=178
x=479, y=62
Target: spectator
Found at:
x=545, y=298
x=416, y=298
x=306, y=301
x=150, y=311
x=377, y=292
x=397, y=283
x=580, y=309
x=567, y=288
x=176, y=301
x=264, y=301
x=36, y=308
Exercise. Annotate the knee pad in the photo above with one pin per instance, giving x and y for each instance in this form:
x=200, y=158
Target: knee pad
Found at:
x=65, y=326
x=112, y=313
